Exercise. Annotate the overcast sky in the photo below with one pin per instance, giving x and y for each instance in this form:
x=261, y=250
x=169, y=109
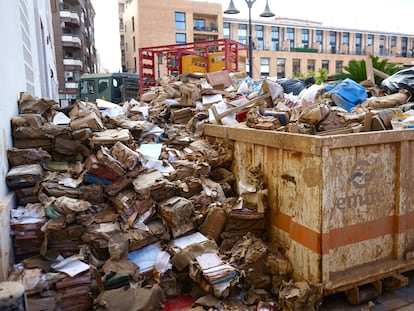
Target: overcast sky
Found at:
x=381, y=15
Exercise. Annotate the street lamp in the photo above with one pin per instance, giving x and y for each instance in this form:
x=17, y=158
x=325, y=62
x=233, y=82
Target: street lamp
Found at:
x=266, y=13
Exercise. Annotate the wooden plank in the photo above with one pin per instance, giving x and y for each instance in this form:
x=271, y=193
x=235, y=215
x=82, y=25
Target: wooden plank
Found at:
x=368, y=121
x=395, y=281
x=369, y=70
x=250, y=103
x=380, y=73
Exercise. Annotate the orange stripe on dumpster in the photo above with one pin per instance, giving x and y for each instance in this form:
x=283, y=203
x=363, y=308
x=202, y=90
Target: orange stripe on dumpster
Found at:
x=297, y=232
x=360, y=232
x=338, y=237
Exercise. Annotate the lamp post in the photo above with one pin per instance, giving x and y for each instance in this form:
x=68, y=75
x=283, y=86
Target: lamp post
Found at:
x=266, y=13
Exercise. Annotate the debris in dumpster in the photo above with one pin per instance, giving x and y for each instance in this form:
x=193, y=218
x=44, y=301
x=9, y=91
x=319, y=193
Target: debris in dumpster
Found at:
x=114, y=184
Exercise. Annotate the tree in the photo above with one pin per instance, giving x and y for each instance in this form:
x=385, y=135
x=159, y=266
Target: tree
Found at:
x=356, y=69
x=320, y=77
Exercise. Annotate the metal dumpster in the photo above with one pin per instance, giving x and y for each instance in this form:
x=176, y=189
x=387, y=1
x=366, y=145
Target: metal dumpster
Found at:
x=341, y=206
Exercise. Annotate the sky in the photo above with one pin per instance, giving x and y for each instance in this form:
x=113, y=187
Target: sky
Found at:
x=379, y=15
x=107, y=34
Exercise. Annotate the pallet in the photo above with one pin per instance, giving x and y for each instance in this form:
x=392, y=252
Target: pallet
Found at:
x=363, y=294
x=366, y=282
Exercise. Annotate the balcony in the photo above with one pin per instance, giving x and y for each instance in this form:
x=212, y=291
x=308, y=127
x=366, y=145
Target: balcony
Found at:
x=71, y=41
x=71, y=85
x=72, y=64
x=69, y=17
x=212, y=28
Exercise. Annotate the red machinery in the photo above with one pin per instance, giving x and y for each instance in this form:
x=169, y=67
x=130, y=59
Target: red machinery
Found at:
x=205, y=51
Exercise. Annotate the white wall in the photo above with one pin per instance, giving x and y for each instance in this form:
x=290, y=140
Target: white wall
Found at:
x=26, y=61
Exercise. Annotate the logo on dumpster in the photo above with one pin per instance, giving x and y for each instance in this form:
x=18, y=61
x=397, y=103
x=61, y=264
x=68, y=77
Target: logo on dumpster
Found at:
x=362, y=174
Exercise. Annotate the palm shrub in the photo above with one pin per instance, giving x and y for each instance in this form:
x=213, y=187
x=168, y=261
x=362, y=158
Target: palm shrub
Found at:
x=356, y=69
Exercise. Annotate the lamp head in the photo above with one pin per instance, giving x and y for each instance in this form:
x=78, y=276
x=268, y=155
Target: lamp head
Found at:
x=267, y=12
x=231, y=9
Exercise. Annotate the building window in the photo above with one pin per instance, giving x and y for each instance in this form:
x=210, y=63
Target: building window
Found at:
x=296, y=67
x=325, y=65
x=290, y=35
x=135, y=64
x=179, y=21
x=180, y=38
x=311, y=65
x=319, y=39
x=133, y=44
x=66, y=31
x=259, y=37
x=370, y=39
x=393, y=41
x=64, y=7
x=242, y=33
x=358, y=39
x=404, y=45
x=226, y=31
x=345, y=38
x=264, y=66
x=68, y=76
x=199, y=24
x=71, y=54
x=382, y=45
x=275, y=38
x=133, y=24
x=338, y=66
x=281, y=70
x=332, y=41
x=305, y=38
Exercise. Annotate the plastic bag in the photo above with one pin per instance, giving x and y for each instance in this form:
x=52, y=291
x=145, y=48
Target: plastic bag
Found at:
x=294, y=86
x=347, y=94
x=403, y=79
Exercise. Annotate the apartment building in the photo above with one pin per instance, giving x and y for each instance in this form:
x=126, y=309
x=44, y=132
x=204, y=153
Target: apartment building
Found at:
x=282, y=47
x=150, y=23
x=28, y=65
x=121, y=10
x=74, y=38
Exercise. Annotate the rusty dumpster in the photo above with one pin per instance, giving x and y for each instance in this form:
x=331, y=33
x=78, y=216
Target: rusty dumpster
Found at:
x=342, y=206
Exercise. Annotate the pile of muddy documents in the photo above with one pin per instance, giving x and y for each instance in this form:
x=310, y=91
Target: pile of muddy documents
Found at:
x=129, y=207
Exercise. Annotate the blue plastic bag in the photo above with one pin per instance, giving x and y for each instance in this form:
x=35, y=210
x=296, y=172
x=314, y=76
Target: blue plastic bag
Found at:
x=347, y=94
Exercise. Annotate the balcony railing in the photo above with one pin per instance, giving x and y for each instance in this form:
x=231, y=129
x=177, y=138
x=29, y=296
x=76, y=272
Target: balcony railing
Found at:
x=72, y=62
x=69, y=40
x=206, y=29
x=71, y=17
x=71, y=85
x=304, y=50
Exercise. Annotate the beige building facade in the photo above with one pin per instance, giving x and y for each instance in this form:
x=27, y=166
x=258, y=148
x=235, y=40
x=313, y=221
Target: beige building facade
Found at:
x=282, y=47
x=150, y=23
x=285, y=47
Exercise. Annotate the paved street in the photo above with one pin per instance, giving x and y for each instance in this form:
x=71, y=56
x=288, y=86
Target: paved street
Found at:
x=398, y=300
